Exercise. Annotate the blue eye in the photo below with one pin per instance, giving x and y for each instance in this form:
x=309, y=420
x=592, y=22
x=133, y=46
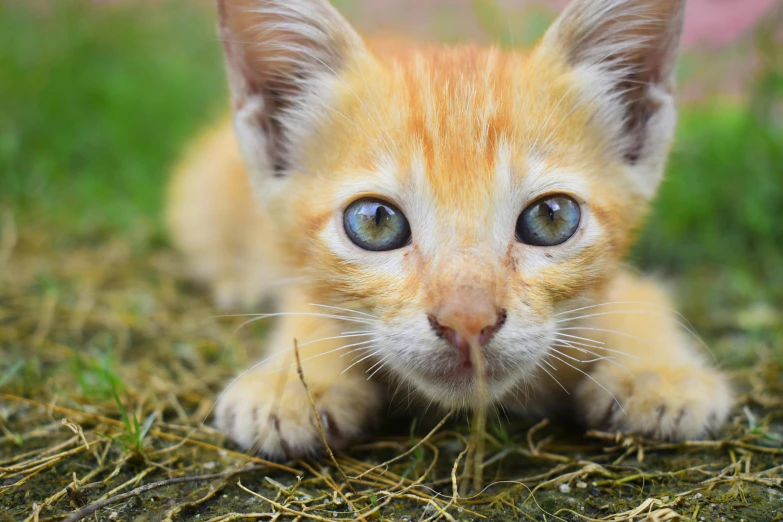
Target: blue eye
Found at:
x=549, y=221
x=376, y=225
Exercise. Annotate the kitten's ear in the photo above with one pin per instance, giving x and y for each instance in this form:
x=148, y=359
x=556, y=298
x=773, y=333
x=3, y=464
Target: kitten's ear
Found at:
x=279, y=55
x=628, y=49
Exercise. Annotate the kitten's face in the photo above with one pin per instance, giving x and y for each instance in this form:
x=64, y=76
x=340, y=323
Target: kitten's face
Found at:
x=466, y=192
x=460, y=145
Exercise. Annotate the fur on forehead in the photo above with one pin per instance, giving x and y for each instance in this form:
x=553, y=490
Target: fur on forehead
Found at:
x=311, y=99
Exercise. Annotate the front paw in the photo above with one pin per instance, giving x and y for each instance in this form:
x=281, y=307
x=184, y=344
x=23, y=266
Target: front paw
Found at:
x=277, y=420
x=669, y=403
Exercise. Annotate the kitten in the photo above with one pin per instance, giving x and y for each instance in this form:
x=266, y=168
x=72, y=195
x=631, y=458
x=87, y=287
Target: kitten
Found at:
x=443, y=204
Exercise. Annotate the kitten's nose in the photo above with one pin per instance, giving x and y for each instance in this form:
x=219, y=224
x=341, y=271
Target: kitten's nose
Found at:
x=465, y=318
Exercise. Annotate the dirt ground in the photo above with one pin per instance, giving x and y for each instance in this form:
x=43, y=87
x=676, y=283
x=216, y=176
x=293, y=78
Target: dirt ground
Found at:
x=111, y=361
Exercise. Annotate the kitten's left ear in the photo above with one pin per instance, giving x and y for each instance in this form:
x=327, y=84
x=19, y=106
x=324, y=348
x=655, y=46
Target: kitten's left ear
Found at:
x=626, y=51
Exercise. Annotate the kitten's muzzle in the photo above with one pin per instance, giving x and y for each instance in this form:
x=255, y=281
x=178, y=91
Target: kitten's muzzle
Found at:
x=465, y=318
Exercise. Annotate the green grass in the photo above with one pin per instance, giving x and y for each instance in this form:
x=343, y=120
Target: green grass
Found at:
x=95, y=101
x=93, y=115
x=721, y=205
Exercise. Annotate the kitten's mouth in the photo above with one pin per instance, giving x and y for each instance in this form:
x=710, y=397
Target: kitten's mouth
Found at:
x=453, y=380
x=459, y=385
x=464, y=372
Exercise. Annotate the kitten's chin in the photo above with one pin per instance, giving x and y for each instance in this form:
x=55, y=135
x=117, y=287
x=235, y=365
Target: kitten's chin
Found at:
x=461, y=389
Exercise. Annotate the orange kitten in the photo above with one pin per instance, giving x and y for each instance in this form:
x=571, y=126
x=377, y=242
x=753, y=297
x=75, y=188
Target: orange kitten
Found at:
x=439, y=202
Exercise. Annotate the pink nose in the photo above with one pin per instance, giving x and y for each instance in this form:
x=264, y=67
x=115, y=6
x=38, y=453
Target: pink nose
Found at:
x=463, y=320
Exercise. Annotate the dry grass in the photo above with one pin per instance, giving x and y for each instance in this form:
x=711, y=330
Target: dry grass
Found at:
x=82, y=321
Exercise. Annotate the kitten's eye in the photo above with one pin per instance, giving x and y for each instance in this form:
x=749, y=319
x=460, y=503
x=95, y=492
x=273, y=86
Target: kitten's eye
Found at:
x=375, y=225
x=549, y=221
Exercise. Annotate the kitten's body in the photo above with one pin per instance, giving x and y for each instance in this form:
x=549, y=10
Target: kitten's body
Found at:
x=461, y=140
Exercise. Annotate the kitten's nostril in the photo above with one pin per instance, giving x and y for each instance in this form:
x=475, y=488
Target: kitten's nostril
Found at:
x=488, y=332
x=459, y=330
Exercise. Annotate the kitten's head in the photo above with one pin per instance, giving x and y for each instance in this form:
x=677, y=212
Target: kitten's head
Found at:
x=462, y=196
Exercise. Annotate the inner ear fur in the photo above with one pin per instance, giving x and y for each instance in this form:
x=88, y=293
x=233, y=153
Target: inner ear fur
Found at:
x=276, y=52
x=632, y=46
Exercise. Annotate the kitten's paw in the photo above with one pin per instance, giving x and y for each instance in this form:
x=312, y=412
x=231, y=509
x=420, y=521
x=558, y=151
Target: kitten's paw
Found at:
x=666, y=403
x=279, y=422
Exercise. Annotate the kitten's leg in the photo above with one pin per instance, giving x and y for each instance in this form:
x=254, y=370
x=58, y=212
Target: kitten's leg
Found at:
x=267, y=409
x=663, y=385
x=225, y=236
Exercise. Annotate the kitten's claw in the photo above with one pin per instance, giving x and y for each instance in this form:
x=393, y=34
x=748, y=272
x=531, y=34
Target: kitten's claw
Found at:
x=279, y=422
x=665, y=403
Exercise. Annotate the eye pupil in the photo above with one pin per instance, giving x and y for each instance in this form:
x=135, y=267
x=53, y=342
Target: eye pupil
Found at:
x=380, y=213
x=549, y=221
x=550, y=211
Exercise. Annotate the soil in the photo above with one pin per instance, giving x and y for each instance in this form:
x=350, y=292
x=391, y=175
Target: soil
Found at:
x=100, y=336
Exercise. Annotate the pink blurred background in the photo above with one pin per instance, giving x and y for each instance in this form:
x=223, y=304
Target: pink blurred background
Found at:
x=708, y=22
x=719, y=22
x=719, y=34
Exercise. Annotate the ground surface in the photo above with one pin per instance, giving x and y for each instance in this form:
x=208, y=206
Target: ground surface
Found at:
x=80, y=322
x=110, y=359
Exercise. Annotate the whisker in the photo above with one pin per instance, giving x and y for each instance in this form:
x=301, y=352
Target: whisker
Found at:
x=554, y=378
x=400, y=382
x=361, y=353
x=258, y=317
x=616, y=312
x=383, y=362
x=610, y=360
x=346, y=354
x=280, y=352
x=579, y=343
x=432, y=399
x=621, y=312
x=592, y=379
x=276, y=314
x=322, y=354
x=638, y=312
x=343, y=309
x=341, y=336
x=369, y=378
x=682, y=322
x=614, y=303
x=376, y=352
x=586, y=339
x=609, y=330
x=575, y=345
x=384, y=358
x=571, y=357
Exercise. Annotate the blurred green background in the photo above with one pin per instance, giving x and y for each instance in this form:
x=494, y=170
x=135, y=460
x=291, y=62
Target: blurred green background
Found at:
x=97, y=99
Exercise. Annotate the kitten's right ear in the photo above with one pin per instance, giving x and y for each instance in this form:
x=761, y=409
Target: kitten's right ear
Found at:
x=278, y=54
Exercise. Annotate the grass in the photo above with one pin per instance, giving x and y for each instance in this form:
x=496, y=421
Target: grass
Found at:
x=92, y=115
x=140, y=329
x=110, y=360
x=721, y=202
